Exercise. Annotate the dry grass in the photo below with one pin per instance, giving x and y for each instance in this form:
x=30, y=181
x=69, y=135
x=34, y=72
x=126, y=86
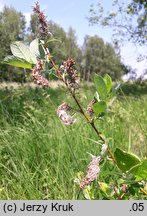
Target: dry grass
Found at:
x=15, y=85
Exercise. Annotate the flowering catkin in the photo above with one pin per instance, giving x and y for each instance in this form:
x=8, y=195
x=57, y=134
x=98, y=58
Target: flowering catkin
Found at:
x=42, y=20
x=64, y=116
x=70, y=74
x=36, y=74
x=92, y=172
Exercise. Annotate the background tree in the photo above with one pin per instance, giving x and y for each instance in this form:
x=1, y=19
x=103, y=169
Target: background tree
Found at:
x=12, y=28
x=127, y=20
x=65, y=46
x=58, y=48
x=33, y=30
x=100, y=58
x=73, y=49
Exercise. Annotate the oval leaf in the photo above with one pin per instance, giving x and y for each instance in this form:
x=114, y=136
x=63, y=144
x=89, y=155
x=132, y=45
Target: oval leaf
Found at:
x=20, y=50
x=100, y=86
x=41, y=50
x=34, y=49
x=99, y=107
x=108, y=82
x=125, y=160
x=17, y=62
x=37, y=50
x=139, y=171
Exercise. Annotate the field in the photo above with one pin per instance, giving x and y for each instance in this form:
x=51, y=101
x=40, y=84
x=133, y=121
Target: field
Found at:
x=40, y=157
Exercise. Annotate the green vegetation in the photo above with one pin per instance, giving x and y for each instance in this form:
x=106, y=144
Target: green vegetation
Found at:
x=40, y=157
x=128, y=21
x=101, y=58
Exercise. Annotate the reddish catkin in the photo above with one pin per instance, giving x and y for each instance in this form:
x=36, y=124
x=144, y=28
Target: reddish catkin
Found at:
x=64, y=116
x=42, y=20
x=71, y=75
x=92, y=172
x=36, y=74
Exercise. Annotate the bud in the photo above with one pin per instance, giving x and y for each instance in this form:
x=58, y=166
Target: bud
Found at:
x=104, y=149
x=89, y=107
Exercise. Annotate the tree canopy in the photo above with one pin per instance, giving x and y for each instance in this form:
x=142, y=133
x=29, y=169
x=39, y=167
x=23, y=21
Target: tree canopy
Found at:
x=12, y=28
x=128, y=21
x=100, y=57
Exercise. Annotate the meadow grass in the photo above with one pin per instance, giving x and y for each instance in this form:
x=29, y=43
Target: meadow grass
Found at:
x=40, y=157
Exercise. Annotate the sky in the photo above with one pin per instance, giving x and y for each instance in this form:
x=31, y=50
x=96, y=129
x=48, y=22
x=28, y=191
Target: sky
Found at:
x=74, y=14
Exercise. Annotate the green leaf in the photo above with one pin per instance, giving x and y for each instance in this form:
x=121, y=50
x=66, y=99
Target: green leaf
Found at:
x=100, y=86
x=99, y=107
x=96, y=96
x=20, y=50
x=17, y=62
x=125, y=160
x=108, y=82
x=42, y=51
x=52, y=74
x=104, y=187
x=132, y=190
x=37, y=50
x=53, y=40
x=88, y=193
x=34, y=49
x=112, y=14
x=139, y=171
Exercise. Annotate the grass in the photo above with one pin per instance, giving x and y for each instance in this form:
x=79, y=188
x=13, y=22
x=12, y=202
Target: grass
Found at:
x=40, y=157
